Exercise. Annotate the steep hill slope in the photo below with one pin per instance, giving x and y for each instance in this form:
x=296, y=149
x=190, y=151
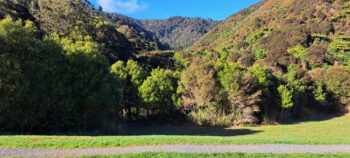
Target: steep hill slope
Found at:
x=290, y=46
x=178, y=32
x=143, y=39
x=277, y=30
x=16, y=10
x=119, y=37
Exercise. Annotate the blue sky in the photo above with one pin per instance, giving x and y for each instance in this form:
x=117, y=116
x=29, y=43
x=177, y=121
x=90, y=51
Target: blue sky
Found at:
x=160, y=9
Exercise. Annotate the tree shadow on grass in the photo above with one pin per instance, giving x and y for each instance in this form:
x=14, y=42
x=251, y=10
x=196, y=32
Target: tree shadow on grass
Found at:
x=319, y=117
x=156, y=130
x=184, y=130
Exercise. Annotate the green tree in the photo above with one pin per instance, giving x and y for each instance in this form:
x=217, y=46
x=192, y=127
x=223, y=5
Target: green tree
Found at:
x=12, y=79
x=158, y=91
x=89, y=83
x=118, y=68
x=52, y=85
x=243, y=93
x=268, y=84
x=199, y=85
x=286, y=97
x=320, y=93
x=132, y=76
x=199, y=91
x=136, y=72
x=298, y=82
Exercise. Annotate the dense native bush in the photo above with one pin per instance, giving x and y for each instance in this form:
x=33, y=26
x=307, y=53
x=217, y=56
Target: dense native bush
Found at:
x=337, y=81
x=243, y=93
x=200, y=94
x=298, y=52
x=259, y=53
x=268, y=83
x=146, y=97
x=199, y=85
x=53, y=84
x=223, y=95
x=295, y=91
x=340, y=49
x=316, y=55
x=246, y=59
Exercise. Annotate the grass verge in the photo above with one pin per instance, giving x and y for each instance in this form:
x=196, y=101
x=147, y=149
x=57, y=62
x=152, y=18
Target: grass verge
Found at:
x=333, y=131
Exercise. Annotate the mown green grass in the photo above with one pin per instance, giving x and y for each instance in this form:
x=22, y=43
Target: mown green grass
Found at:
x=333, y=131
x=221, y=155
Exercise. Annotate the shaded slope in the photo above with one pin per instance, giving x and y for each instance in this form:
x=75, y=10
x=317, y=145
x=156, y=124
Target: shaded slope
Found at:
x=119, y=37
x=178, y=32
x=143, y=39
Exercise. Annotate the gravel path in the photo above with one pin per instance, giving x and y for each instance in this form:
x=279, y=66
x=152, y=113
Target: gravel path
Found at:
x=268, y=148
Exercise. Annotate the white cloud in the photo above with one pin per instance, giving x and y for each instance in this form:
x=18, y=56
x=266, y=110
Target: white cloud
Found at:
x=121, y=6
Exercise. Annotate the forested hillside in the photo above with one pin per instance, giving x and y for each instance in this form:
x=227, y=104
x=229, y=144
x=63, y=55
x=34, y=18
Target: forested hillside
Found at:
x=118, y=37
x=178, y=32
x=279, y=58
x=65, y=66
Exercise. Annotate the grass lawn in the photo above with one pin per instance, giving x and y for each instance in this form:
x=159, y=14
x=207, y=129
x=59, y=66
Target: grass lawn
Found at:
x=332, y=131
x=222, y=155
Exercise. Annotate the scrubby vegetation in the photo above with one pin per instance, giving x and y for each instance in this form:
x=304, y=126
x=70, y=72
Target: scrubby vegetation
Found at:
x=66, y=66
x=298, y=45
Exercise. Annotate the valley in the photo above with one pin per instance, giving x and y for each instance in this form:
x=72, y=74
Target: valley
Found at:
x=73, y=76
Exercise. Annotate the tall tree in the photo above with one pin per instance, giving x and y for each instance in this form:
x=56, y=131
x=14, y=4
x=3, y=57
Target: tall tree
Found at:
x=158, y=91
